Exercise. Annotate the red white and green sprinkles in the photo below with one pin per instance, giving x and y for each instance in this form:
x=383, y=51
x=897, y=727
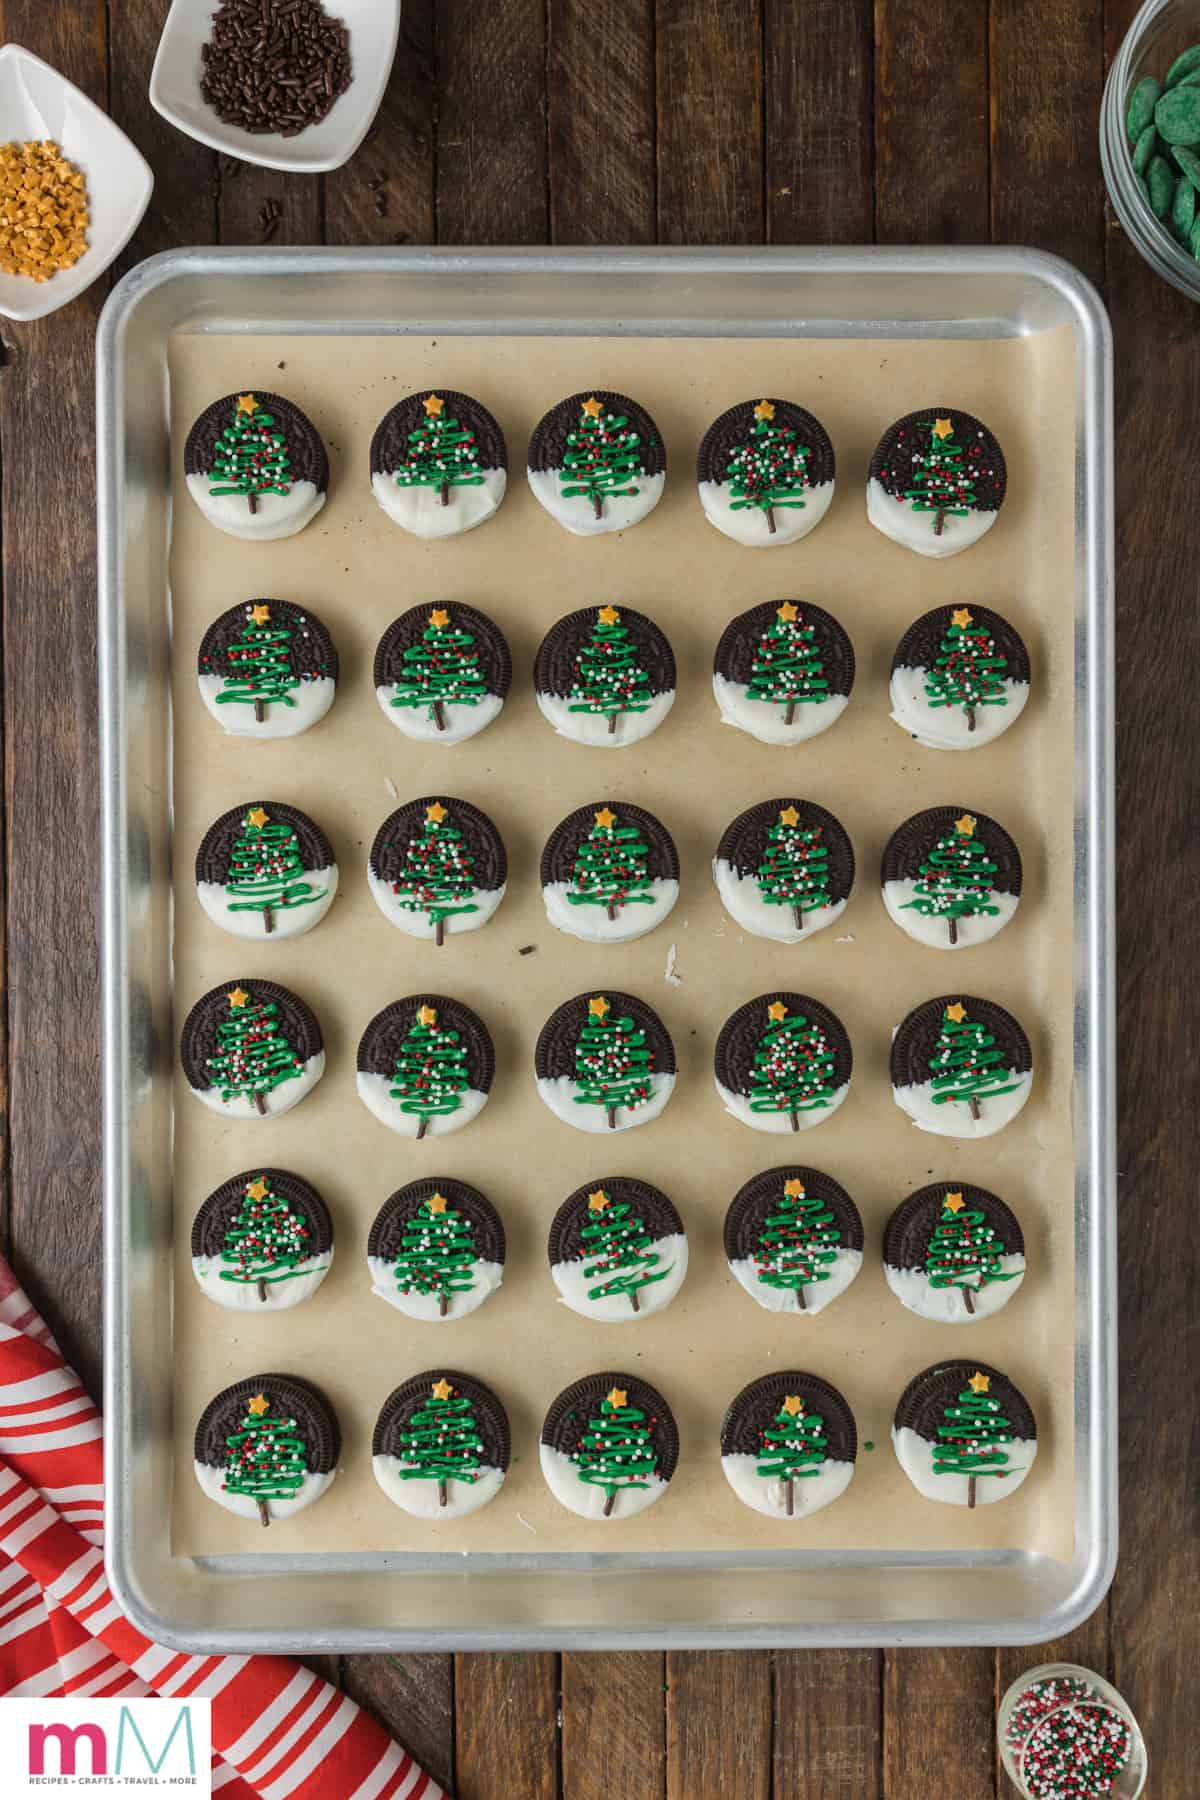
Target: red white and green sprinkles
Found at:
x=1077, y=1752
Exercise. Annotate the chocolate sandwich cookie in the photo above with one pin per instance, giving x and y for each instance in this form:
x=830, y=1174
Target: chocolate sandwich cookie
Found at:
x=267, y=669
x=264, y=870
x=255, y=466
x=782, y=1063
x=441, y=1446
x=438, y=463
x=442, y=672
x=425, y=1066
x=783, y=671
x=951, y=877
x=961, y=1066
x=765, y=472
x=597, y=463
x=437, y=867
x=267, y=1447
x=788, y=1444
x=251, y=1049
x=604, y=1062
x=262, y=1241
x=605, y=676
x=617, y=1250
x=784, y=869
x=953, y=1253
x=610, y=872
x=964, y=1434
x=793, y=1239
x=436, y=1249
x=936, y=482
x=960, y=676
x=609, y=1446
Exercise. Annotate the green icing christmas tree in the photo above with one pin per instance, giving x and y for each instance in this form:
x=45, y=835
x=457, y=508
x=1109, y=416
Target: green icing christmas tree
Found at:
x=798, y=1242
x=438, y=878
x=610, y=867
x=266, y=874
x=964, y=1251
x=794, y=871
x=613, y=1064
x=431, y=1070
x=253, y=1054
x=441, y=1441
x=968, y=671
x=974, y=1437
x=617, y=1449
x=260, y=669
x=966, y=1065
x=437, y=1253
x=602, y=457
x=266, y=1456
x=792, y=1447
x=618, y=1253
x=787, y=669
x=940, y=484
x=793, y=1066
x=251, y=455
x=441, y=669
x=770, y=469
x=265, y=1241
x=441, y=454
x=608, y=678
x=955, y=879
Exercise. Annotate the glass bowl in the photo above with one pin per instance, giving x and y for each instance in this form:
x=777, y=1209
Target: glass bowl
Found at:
x=1161, y=30
x=1132, y=1779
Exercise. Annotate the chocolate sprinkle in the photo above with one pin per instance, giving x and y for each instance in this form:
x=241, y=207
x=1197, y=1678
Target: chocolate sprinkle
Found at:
x=274, y=65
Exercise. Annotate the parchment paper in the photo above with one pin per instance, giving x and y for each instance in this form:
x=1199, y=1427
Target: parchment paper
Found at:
x=358, y=571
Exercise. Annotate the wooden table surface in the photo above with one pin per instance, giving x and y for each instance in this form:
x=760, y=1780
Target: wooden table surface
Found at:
x=685, y=122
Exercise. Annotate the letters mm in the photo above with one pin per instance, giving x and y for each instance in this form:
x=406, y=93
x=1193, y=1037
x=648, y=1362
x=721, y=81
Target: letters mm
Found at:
x=67, y=1738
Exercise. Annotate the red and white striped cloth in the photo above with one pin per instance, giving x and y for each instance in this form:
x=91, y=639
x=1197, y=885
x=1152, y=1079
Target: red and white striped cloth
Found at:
x=279, y=1731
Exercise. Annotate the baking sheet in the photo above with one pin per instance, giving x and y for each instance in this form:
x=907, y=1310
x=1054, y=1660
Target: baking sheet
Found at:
x=357, y=571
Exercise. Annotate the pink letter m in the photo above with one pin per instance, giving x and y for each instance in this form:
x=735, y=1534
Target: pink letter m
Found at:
x=67, y=1737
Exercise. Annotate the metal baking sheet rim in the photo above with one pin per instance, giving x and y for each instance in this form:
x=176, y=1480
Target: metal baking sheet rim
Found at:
x=780, y=1598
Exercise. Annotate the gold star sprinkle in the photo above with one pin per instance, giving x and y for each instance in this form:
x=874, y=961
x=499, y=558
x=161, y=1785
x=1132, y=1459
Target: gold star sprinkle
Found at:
x=764, y=410
x=980, y=1382
x=957, y=1012
x=433, y=406
x=258, y=1190
x=606, y=817
x=260, y=613
x=616, y=1396
x=794, y=1189
x=591, y=408
x=789, y=816
x=598, y=1007
x=256, y=817
x=597, y=1201
x=960, y=616
x=965, y=826
x=439, y=617
x=441, y=1390
x=608, y=615
x=787, y=611
x=437, y=1203
x=259, y=1405
x=435, y=813
x=238, y=997
x=427, y=1015
x=953, y=1202
x=247, y=403
x=792, y=1403
x=777, y=1010
x=943, y=428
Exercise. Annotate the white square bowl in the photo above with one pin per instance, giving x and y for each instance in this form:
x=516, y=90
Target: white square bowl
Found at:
x=37, y=102
x=374, y=26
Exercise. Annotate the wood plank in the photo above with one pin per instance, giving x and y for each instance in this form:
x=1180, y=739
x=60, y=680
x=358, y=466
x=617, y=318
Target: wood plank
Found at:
x=827, y=1732
x=819, y=117
x=601, y=118
x=614, y=1726
x=506, y=1727
x=931, y=122
x=939, y=1725
x=718, y=1725
x=1047, y=72
x=710, y=122
x=413, y=1697
x=183, y=206
x=398, y=148
x=491, y=137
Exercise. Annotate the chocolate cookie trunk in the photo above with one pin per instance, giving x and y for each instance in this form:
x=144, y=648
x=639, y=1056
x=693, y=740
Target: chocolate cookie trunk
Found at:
x=267, y=1446
x=604, y=1061
x=441, y=1445
x=783, y=671
x=265, y=870
x=610, y=872
x=437, y=867
x=788, y=1444
x=442, y=672
x=438, y=463
x=425, y=1065
x=765, y=472
x=951, y=877
x=436, y=1249
x=609, y=1446
x=964, y=1434
x=617, y=1250
x=793, y=1239
x=263, y=1239
x=784, y=869
x=250, y=1048
x=961, y=1066
x=267, y=669
x=782, y=1063
x=953, y=1253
